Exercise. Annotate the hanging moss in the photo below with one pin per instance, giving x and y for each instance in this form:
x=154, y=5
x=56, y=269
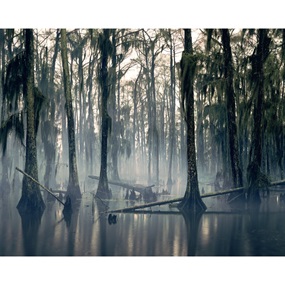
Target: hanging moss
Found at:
x=14, y=122
x=13, y=82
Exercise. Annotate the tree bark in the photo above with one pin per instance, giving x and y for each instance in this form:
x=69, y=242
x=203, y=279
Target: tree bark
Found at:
x=172, y=115
x=154, y=123
x=254, y=168
x=135, y=102
x=192, y=201
x=90, y=153
x=103, y=190
x=114, y=112
x=73, y=189
x=31, y=200
x=236, y=173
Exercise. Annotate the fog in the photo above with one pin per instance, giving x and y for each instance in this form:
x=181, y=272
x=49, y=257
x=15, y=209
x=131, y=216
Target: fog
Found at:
x=125, y=86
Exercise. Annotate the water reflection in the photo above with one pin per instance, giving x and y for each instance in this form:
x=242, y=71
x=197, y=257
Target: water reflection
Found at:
x=30, y=228
x=102, y=207
x=192, y=221
x=157, y=233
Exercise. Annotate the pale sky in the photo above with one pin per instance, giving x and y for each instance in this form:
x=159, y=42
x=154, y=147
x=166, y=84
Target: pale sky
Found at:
x=148, y=14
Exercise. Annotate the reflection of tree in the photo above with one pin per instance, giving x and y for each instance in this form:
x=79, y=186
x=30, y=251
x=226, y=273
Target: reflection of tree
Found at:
x=49, y=227
x=71, y=218
x=102, y=207
x=30, y=228
x=192, y=222
x=236, y=244
x=253, y=230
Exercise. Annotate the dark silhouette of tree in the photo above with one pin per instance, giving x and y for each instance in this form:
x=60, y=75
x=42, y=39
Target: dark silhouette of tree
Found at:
x=49, y=130
x=171, y=108
x=73, y=189
x=103, y=190
x=31, y=200
x=256, y=179
x=114, y=110
x=236, y=173
x=192, y=201
x=5, y=185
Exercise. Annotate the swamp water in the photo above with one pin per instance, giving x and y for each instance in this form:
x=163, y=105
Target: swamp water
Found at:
x=219, y=231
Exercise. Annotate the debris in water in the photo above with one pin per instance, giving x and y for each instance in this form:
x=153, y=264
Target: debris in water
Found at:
x=112, y=219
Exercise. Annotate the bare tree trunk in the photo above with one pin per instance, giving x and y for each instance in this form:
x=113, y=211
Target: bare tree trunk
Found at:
x=73, y=189
x=155, y=136
x=236, y=173
x=5, y=184
x=50, y=121
x=103, y=190
x=90, y=148
x=172, y=116
x=135, y=102
x=254, y=168
x=192, y=201
x=200, y=134
x=31, y=200
x=114, y=112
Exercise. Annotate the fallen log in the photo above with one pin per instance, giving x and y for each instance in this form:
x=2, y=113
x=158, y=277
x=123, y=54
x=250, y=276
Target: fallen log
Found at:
x=167, y=212
x=223, y=192
x=280, y=182
x=136, y=187
x=57, y=191
x=147, y=205
x=38, y=183
x=159, y=203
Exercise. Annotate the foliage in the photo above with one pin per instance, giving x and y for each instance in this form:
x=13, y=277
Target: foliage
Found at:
x=139, y=61
x=14, y=122
x=14, y=81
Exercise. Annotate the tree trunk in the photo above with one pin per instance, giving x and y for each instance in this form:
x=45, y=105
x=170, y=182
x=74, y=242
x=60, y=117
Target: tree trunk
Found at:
x=192, y=201
x=114, y=112
x=154, y=124
x=135, y=102
x=103, y=190
x=254, y=168
x=31, y=200
x=200, y=134
x=3, y=63
x=73, y=189
x=236, y=173
x=49, y=125
x=150, y=120
x=90, y=144
x=5, y=184
x=172, y=117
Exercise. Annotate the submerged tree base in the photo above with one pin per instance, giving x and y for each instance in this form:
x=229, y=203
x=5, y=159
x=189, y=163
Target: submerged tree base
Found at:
x=253, y=197
x=31, y=203
x=67, y=211
x=189, y=205
x=256, y=181
x=73, y=192
x=104, y=194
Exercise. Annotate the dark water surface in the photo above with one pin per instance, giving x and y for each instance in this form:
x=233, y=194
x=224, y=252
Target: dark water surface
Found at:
x=220, y=231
